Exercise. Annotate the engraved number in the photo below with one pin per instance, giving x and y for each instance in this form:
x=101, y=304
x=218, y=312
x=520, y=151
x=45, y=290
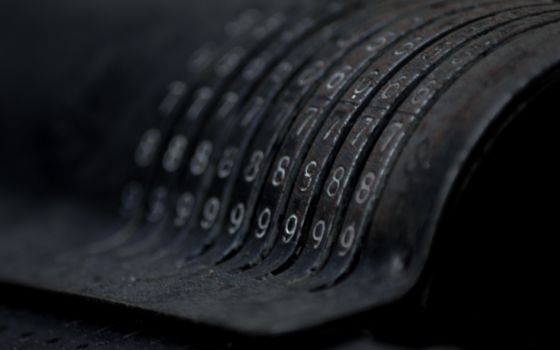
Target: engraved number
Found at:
x=334, y=184
x=280, y=173
x=174, y=154
x=201, y=158
x=263, y=223
x=254, y=166
x=183, y=209
x=347, y=240
x=318, y=233
x=366, y=185
x=210, y=213
x=308, y=176
x=290, y=228
x=227, y=162
x=236, y=218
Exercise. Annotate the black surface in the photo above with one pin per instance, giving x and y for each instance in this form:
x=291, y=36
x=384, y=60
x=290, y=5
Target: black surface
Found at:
x=283, y=173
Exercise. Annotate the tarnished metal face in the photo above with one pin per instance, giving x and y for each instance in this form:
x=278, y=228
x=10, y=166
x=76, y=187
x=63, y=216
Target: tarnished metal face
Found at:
x=294, y=170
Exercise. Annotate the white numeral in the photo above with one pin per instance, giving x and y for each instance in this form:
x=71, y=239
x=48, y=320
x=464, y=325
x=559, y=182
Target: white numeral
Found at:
x=311, y=115
x=290, y=228
x=334, y=184
x=210, y=213
x=263, y=223
x=308, y=177
x=347, y=240
x=174, y=154
x=183, y=209
x=338, y=78
x=254, y=166
x=147, y=148
x=226, y=164
x=318, y=233
x=236, y=218
x=201, y=158
x=366, y=185
x=280, y=173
